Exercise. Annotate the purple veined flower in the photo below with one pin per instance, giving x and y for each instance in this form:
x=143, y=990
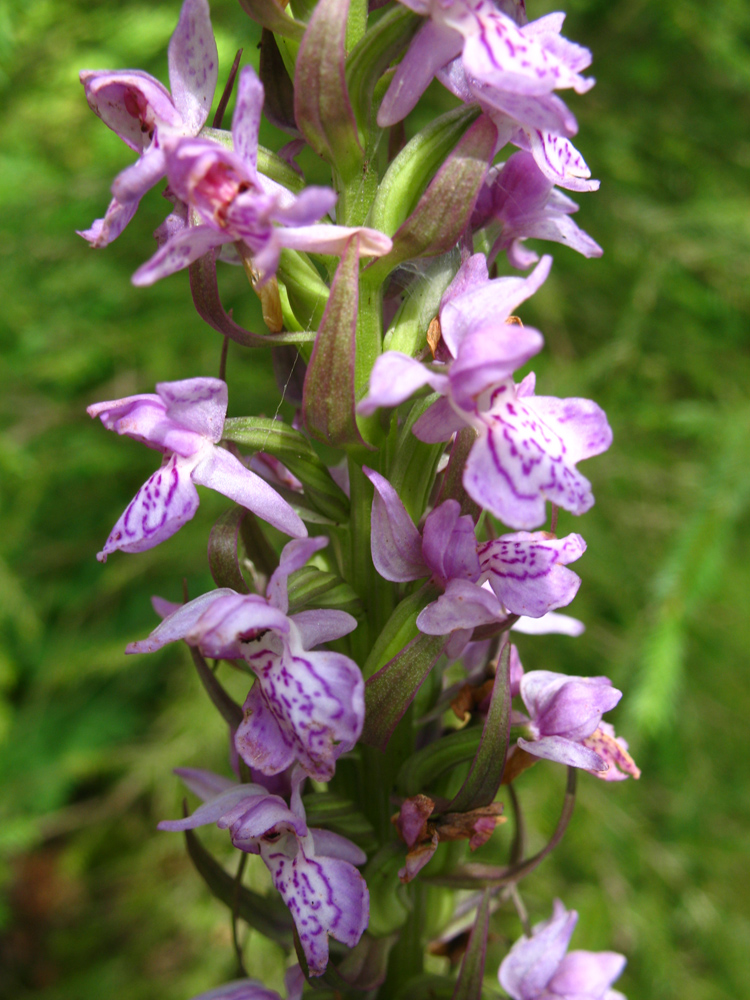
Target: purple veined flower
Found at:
x=564, y=722
x=306, y=705
x=148, y=118
x=544, y=132
x=527, y=571
x=525, y=203
x=527, y=446
x=517, y=66
x=314, y=870
x=541, y=968
x=233, y=203
x=184, y=421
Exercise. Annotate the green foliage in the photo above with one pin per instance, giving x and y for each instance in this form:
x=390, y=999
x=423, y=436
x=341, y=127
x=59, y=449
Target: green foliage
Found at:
x=97, y=902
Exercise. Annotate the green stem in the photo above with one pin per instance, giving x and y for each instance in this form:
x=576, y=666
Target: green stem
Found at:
x=407, y=956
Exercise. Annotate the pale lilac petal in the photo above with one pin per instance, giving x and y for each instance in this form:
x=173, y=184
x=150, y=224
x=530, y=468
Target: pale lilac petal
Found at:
x=394, y=378
x=200, y=404
x=193, y=65
x=179, y=623
x=316, y=627
x=294, y=555
x=563, y=751
x=205, y=784
x=526, y=571
x=580, y=423
x=562, y=229
x=215, y=808
x=103, y=231
x=489, y=355
x=395, y=542
x=130, y=102
x=325, y=896
x=586, y=974
x=490, y=304
x=144, y=418
x=531, y=962
x=449, y=544
x=309, y=206
x=179, y=252
x=333, y=845
x=518, y=255
x=549, y=623
x=433, y=46
x=333, y=239
x=546, y=112
x=247, y=115
x=163, y=607
x=161, y=506
x=134, y=181
x=249, y=820
x=294, y=980
x=439, y=422
x=464, y=605
x=567, y=706
x=222, y=472
x=235, y=619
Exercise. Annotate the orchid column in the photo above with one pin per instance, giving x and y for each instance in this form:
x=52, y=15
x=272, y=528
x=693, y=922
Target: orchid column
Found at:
x=379, y=742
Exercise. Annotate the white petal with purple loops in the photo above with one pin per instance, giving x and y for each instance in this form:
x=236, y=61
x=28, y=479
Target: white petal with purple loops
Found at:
x=527, y=571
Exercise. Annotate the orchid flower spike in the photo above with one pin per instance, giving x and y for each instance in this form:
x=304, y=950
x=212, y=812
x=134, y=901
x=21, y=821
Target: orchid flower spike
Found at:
x=184, y=421
x=148, y=118
x=234, y=203
x=314, y=870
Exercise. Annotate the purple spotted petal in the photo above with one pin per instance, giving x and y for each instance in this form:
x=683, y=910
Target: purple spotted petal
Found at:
x=180, y=251
x=521, y=459
x=161, y=506
x=103, y=231
x=130, y=102
x=221, y=471
x=527, y=571
x=560, y=161
x=395, y=542
x=464, y=605
x=532, y=961
x=325, y=896
x=294, y=555
x=315, y=699
x=193, y=65
x=394, y=378
x=247, y=114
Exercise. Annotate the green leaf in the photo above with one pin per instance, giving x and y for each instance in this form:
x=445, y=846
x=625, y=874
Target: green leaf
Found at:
x=408, y=331
x=272, y=15
x=313, y=587
x=328, y=398
x=423, y=767
x=268, y=915
x=469, y=985
x=339, y=814
x=229, y=709
x=322, y=108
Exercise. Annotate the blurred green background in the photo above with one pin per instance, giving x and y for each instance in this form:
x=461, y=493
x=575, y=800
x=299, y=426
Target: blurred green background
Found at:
x=93, y=901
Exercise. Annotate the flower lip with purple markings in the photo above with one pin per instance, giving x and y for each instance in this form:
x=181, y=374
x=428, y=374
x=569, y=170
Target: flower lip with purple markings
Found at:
x=565, y=722
x=540, y=967
x=314, y=870
x=526, y=204
x=527, y=446
x=184, y=421
x=148, y=118
x=513, y=68
x=234, y=203
x=305, y=706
